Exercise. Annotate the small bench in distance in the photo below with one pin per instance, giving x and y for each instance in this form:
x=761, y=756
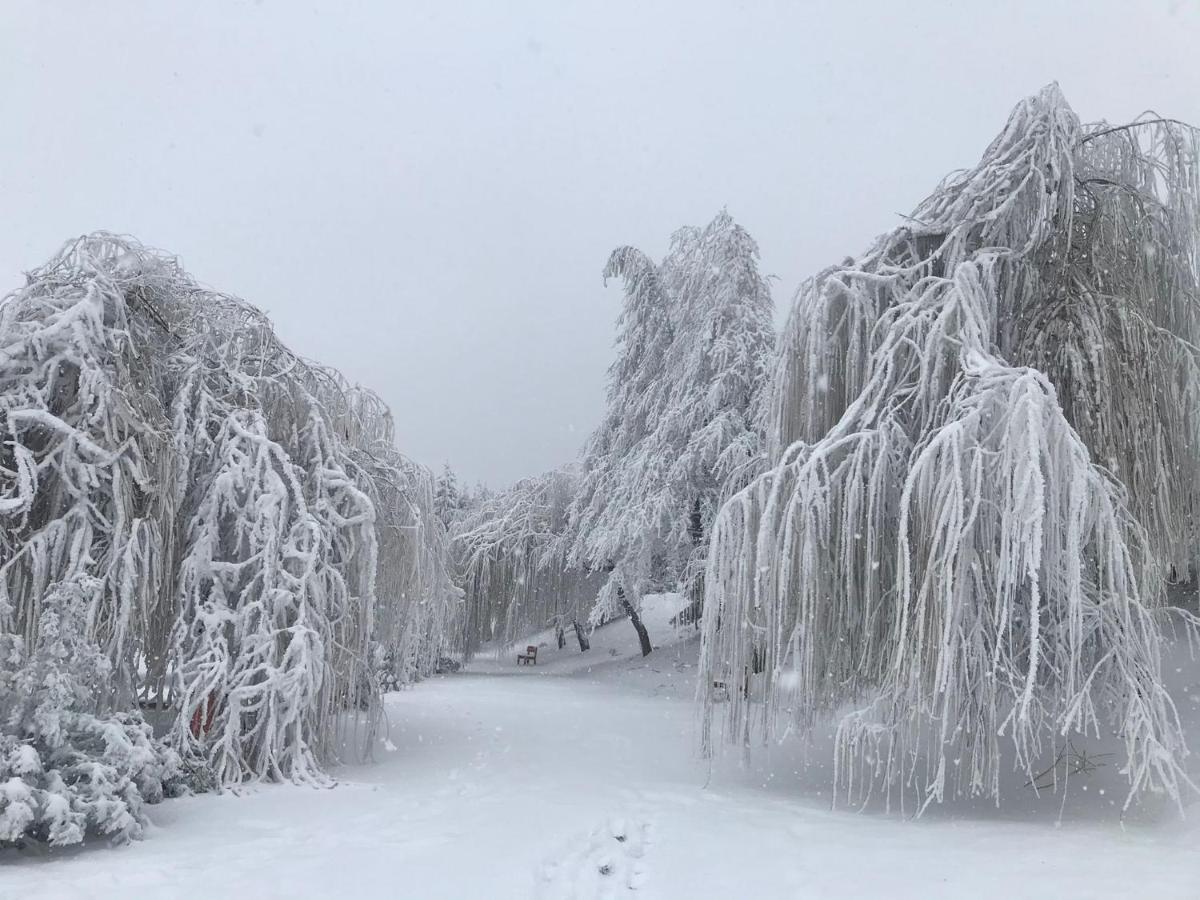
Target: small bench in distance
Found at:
x=529, y=657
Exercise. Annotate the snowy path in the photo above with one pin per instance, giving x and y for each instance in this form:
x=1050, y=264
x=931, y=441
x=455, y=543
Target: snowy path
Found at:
x=530, y=786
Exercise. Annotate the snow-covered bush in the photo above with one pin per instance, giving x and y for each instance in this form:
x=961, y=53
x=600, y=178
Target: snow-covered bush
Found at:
x=250, y=527
x=983, y=472
x=66, y=769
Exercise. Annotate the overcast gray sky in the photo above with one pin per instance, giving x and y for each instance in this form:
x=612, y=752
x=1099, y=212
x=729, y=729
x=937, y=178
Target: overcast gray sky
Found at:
x=424, y=194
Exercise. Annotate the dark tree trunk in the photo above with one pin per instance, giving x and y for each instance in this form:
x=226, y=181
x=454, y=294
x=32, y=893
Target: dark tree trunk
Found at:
x=584, y=644
x=696, y=607
x=758, y=660
x=696, y=584
x=562, y=638
x=696, y=525
x=638, y=625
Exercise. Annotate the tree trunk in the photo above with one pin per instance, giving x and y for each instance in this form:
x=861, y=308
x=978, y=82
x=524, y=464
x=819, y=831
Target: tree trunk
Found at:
x=584, y=643
x=696, y=585
x=691, y=615
x=638, y=625
x=559, y=636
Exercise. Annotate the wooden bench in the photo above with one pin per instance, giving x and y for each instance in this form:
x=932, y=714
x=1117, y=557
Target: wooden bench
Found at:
x=529, y=657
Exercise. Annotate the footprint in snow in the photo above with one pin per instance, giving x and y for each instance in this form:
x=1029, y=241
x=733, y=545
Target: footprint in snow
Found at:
x=608, y=862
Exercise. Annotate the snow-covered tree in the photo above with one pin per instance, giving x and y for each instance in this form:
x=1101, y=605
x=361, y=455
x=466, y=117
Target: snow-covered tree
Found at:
x=237, y=506
x=447, y=501
x=423, y=618
x=718, y=365
x=510, y=553
x=695, y=337
x=982, y=472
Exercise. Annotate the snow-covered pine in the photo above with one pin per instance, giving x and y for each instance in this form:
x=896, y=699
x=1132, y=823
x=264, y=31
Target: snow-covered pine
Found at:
x=510, y=553
x=447, y=500
x=237, y=505
x=983, y=472
x=695, y=340
x=65, y=771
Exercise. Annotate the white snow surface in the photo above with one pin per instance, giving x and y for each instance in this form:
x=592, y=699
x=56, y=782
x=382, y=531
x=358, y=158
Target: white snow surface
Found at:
x=579, y=778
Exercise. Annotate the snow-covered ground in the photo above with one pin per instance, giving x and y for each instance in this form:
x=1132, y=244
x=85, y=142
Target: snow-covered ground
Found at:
x=579, y=778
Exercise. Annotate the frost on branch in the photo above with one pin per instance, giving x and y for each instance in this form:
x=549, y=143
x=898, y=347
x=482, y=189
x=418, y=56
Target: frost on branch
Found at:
x=237, y=507
x=983, y=472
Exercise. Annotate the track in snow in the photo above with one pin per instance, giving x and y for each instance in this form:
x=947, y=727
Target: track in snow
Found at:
x=520, y=787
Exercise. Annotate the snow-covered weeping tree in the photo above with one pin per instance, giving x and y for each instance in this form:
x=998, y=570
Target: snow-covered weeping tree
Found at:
x=509, y=552
x=983, y=473
x=418, y=608
x=253, y=536
x=717, y=366
x=694, y=343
